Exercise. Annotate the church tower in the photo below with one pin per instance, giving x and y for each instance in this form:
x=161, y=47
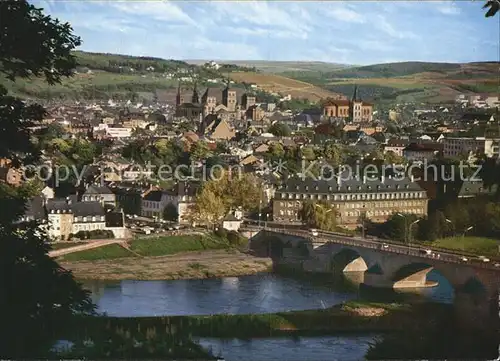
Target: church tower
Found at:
x=229, y=98
x=195, y=98
x=356, y=107
x=179, y=99
x=247, y=100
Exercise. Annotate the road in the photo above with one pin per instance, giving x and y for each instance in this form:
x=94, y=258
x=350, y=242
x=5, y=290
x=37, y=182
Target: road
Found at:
x=83, y=247
x=103, y=242
x=383, y=246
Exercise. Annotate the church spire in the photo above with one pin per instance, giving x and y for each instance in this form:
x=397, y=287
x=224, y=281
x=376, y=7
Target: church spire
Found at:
x=355, y=95
x=196, y=98
x=178, y=98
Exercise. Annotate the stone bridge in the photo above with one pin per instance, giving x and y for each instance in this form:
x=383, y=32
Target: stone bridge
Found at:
x=475, y=285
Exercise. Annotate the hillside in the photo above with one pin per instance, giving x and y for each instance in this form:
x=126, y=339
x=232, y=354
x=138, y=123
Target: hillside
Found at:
x=409, y=81
x=274, y=83
x=278, y=66
x=104, y=76
x=101, y=76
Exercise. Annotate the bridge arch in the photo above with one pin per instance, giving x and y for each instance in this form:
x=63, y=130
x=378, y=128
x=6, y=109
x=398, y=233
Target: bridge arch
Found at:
x=430, y=280
x=348, y=260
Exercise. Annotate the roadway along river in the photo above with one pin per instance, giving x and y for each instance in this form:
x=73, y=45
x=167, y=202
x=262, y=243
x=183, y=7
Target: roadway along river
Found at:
x=249, y=294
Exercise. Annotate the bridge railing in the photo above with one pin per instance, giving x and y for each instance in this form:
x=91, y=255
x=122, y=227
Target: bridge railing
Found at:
x=398, y=244
x=397, y=249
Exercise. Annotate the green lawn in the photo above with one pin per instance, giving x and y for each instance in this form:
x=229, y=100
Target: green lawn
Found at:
x=62, y=245
x=150, y=247
x=110, y=251
x=476, y=245
x=170, y=245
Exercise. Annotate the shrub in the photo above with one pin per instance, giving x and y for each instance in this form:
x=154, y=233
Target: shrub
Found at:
x=221, y=232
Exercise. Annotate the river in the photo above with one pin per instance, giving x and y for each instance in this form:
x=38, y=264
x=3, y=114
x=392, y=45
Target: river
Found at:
x=234, y=295
x=251, y=294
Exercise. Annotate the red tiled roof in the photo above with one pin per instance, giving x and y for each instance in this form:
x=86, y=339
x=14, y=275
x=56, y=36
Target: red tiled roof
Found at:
x=337, y=103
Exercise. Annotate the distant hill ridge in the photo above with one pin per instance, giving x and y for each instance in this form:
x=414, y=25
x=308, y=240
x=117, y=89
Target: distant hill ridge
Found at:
x=104, y=75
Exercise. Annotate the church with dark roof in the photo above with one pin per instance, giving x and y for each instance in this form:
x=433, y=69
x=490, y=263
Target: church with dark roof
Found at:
x=213, y=101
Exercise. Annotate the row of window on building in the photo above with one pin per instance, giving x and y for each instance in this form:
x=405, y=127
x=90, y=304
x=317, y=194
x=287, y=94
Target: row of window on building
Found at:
x=353, y=197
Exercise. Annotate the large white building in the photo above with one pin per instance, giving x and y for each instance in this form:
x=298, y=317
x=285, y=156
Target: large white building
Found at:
x=181, y=197
x=114, y=131
x=455, y=146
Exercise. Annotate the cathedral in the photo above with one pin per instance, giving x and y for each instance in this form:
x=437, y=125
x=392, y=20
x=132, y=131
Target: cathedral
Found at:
x=224, y=104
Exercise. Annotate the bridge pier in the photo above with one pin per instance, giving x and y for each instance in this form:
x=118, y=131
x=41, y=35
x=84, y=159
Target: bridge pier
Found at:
x=356, y=265
x=393, y=266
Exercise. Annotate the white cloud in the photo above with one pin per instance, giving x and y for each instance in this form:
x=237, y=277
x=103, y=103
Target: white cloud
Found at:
x=96, y=22
x=270, y=33
x=374, y=45
x=342, y=12
x=260, y=13
x=331, y=54
x=156, y=9
x=447, y=8
x=382, y=24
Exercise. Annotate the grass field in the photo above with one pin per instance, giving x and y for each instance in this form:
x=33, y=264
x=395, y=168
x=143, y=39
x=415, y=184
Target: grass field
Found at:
x=162, y=246
x=476, y=245
x=392, y=82
x=111, y=251
x=279, y=84
x=410, y=81
x=150, y=247
x=95, y=85
x=62, y=245
x=287, y=66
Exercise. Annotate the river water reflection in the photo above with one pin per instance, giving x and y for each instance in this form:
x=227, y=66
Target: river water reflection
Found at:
x=232, y=295
x=255, y=294
x=327, y=348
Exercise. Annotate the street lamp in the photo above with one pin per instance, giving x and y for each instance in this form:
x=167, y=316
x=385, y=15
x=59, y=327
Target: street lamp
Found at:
x=463, y=237
x=406, y=224
x=362, y=216
x=260, y=208
x=407, y=229
x=409, y=237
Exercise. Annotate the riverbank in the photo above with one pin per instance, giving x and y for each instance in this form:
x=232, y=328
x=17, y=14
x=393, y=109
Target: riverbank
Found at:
x=185, y=265
x=349, y=317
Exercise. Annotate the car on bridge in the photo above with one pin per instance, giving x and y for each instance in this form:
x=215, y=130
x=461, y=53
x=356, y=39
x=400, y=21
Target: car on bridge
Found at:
x=426, y=251
x=314, y=232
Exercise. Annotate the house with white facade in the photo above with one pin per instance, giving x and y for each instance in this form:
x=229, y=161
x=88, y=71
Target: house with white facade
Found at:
x=455, y=146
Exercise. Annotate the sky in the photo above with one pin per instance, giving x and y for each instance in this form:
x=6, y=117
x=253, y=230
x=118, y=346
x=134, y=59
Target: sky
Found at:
x=346, y=32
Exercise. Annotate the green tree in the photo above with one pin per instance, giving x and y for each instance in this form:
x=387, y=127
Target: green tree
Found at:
x=199, y=151
x=170, y=213
x=333, y=154
x=492, y=211
x=225, y=193
x=208, y=208
x=38, y=298
x=399, y=227
x=392, y=158
x=280, y=130
x=45, y=51
x=276, y=150
x=493, y=6
x=433, y=227
x=319, y=215
x=307, y=153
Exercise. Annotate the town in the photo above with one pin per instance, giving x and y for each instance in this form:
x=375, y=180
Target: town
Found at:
x=110, y=145
x=162, y=197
